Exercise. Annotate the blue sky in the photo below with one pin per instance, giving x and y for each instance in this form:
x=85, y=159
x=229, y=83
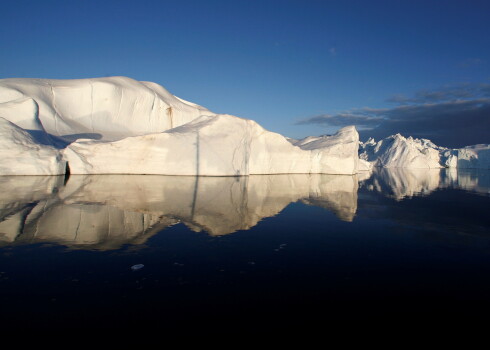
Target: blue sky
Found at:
x=299, y=68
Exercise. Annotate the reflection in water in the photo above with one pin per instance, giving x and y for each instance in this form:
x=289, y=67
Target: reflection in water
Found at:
x=107, y=211
x=400, y=183
x=20, y=194
x=440, y=205
x=397, y=259
x=475, y=180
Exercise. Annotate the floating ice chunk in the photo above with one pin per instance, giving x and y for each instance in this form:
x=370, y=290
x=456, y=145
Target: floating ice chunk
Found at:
x=137, y=267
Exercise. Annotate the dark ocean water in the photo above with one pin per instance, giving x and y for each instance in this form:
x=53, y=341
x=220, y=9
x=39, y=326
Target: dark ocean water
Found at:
x=248, y=253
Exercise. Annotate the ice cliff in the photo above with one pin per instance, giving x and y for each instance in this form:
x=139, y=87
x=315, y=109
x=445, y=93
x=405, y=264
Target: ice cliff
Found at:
x=220, y=145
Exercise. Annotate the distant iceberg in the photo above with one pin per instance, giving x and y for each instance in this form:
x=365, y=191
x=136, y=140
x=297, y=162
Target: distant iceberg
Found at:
x=474, y=157
x=397, y=151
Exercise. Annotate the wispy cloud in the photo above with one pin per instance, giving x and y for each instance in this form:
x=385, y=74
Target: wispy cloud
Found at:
x=333, y=51
x=359, y=118
x=471, y=62
x=444, y=94
x=452, y=116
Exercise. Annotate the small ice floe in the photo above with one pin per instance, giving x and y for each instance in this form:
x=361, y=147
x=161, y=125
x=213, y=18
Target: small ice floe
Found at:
x=281, y=246
x=137, y=267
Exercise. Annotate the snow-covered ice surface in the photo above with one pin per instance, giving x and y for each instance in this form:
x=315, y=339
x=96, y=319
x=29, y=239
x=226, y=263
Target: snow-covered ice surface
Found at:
x=220, y=145
x=108, y=108
x=21, y=154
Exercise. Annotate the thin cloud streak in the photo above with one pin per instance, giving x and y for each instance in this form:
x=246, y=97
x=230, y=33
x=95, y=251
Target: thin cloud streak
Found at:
x=448, y=93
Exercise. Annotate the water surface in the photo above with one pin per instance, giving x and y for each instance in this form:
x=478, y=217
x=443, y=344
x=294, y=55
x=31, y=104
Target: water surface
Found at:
x=249, y=253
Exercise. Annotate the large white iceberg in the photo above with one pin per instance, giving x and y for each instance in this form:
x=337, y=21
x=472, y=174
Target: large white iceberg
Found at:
x=117, y=125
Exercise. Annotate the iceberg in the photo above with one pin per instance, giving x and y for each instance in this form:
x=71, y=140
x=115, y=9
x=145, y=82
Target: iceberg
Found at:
x=474, y=157
x=397, y=151
x=117, y=125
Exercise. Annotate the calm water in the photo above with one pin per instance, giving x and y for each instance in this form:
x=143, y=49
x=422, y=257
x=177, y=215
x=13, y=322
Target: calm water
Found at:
x=245, y=253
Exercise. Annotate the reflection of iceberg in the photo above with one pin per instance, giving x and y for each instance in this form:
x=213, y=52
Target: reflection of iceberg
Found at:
x=474, y=180
x=106, y=211
x=101, y=226
x=400, y=183
x=19, y=195
x=335, y=193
